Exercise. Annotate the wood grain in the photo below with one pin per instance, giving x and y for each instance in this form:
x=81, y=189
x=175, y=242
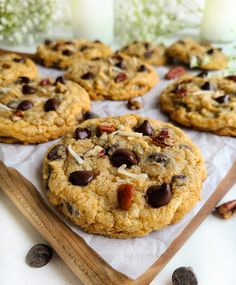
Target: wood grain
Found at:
x=84, y=262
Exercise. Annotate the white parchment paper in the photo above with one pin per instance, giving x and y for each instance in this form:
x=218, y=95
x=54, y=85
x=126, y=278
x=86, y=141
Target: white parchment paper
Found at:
x=132, y=256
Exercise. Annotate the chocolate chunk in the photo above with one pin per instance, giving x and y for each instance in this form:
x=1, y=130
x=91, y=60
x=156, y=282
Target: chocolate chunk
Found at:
x=6, y=66
x=25, y=105
x=51, y=105
x=145, y=128
x=60, y=79
x=97, y=42
x=148, y=54
x=206, y=86
x=90, y=115
x=39, y=255
x=87, y=76
x=223, y=99
x=142, y=68
x=81, y=177
x=120, y=64
x=82, y=133
x=47, y=42
x=184, y=276
x=20, y=59
x=57, y=152
x=231, y=77
x=210, y=51
x=202, y=74
x=123, y=156
x=159, y=158
x=159, y=195
x=23, y=79
x=67, y=52
x=27, y=89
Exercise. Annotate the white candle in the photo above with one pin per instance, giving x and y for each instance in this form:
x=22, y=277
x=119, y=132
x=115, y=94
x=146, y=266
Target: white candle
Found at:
x=219, y=21
x=93, y=19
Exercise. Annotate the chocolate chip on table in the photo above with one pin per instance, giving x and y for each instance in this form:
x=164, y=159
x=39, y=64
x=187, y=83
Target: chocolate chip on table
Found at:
x=39, y=255
x=25, y=105
x=87, y=76
x=148, y=54
x=159, y=158
x=51, y=104
x=184, y=276
x=125, y=195
x=23, y=79
x=223, y=99
x=67, y=52
x=120, y=77
x=81, y=177
x=159, y=195
x=57, y=152
x=47, y=42
x=142, y=68
x=134, y=104
x=28, y=89
x=202, y=74
x=90, y=115
x=82, y=133
x=60, y=79
x=123, y=156
x=227, y=209
x=145, y=128
x=97, y=42
x=206, y=86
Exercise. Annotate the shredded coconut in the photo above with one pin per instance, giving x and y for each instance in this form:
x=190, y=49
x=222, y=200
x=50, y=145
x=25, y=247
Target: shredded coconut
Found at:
x=122, y=170
x=75, y=155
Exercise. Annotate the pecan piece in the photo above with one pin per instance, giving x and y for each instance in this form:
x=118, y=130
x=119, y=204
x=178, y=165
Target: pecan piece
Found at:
x=106, y=129
x=125, y=195
x=175, y=72
x=226, y=210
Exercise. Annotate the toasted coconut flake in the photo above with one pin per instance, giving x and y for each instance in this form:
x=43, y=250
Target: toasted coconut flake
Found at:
x=75, y=155
x=122, y=170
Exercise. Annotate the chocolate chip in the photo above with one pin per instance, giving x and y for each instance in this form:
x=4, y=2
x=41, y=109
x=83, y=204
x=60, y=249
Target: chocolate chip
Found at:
x=231, y=77
x=210, y=51
x=25, y=105
x=146, y=45
x=39, y=255
x=23, y=79
x=60, y=79
x=159, y=195
x=47, y=42
x=202, y=74
x=145, y=128
x=82, y=133
x=184, y=276
x=97, y=42
x=120, y=64
x=142, y=68
x=123, y=156
x=87, y=76
x=27, y=89
x=20, y=59
x=159, y=158
x=148, y=54
x=57, y=152
x=206, y=86
x=6, y=66
x=51, y=104
x=223, y=99
x=81, y=177
x=67, y=52
x=90, y=115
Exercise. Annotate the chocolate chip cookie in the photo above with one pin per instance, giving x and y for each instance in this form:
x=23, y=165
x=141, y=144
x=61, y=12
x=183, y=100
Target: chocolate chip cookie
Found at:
x=203, y=103
x=116, y=78
x=13, y=66
x=200, y=55
x=147, y=51
x=62, y=53
x=124, y=176
x=36, y=111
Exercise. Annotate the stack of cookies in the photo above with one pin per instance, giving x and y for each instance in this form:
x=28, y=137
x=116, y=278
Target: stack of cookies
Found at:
x=121, y=176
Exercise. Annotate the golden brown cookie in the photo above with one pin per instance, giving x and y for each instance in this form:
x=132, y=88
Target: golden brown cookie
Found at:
x=203, y=103
x=195, y=54
x=40, y=110
x=13, y=66
x=116, y=78
x=62, y=53
x=124, y=176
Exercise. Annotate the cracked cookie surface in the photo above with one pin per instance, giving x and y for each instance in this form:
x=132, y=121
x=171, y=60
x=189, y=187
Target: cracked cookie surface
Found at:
x=197, y=54
x=116, y=78
x=35, y=111
x=124, y=176
x=203, y=103
x=62, y=53
x=13, y=66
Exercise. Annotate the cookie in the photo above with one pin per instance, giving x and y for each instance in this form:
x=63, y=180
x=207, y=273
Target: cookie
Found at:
x=116, y=78
x=147, y=51
x=61, y=53
x=195, y=54
x=13, y=66
x=40, y=110
x=124, y=176
x=203, y=103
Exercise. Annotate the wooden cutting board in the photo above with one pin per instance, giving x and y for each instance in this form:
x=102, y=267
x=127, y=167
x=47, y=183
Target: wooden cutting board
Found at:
x=81, y=259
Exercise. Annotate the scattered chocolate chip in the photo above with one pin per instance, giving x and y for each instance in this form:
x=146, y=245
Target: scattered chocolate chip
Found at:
x=81, y=177
x=148, y=54
x=184, y=276
x=206, y=86
x=51, y=104
x=231, y=77
x=67, y=52
x=159, y=195
x=223, y=99
x=120, y=77
x=25, y=105
x=159, y=158
x=227, y=209
x=210, y=51
x=202, y=74
x=82, y=133
x=23, y=79
x=20, y=59
x=120, y=64
x=87, y=76
x=142, y=68
x=90, y=115
x=125, y=195
x=47, y=42
x=123, y=156
x=145, y=128
x=134, y=104
x=28, y=89
x=57, y=152
x=112, y=148
x=71, y=209
x=39, y=255
x=60, y=79
x=6, y=66
x=44, y=82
